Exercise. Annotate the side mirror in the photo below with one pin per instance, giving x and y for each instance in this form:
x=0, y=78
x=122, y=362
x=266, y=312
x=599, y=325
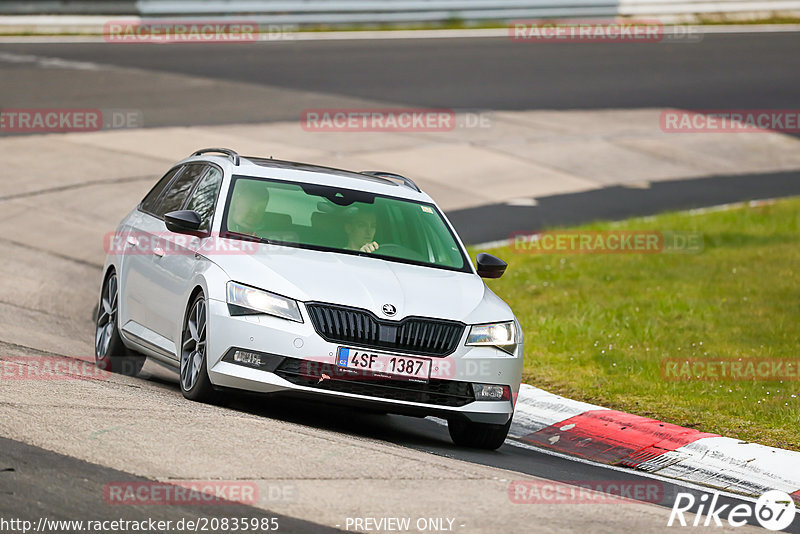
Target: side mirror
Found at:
x=183, y=222
x=490, y=266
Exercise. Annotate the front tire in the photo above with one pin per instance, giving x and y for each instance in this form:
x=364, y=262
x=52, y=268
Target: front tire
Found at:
x=110, y=353
x=478, y=435
x=195, y=384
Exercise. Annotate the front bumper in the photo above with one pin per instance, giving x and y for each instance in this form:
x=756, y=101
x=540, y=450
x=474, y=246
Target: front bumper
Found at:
x=296, y=357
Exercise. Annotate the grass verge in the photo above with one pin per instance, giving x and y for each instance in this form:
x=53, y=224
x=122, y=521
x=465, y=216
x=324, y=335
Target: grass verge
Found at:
x=598, y=327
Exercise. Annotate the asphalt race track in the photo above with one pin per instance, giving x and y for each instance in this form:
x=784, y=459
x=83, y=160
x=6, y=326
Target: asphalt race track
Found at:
x=67, y=488
x=723, y=71
x=499, y=221
x=745, y=71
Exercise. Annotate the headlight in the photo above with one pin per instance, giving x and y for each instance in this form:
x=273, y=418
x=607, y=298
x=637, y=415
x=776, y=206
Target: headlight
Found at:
x=244, y=300
x=501, y=335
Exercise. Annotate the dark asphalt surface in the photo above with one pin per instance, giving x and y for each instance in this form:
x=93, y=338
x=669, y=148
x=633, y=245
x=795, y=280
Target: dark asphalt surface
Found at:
x=499, y=221
x=69, y=489
x=721, y=71
x=35, y=483
x=429, y=436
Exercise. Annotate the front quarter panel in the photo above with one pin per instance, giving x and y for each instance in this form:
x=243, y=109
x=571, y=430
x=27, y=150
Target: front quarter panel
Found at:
x=209, y=278
x=492, y=309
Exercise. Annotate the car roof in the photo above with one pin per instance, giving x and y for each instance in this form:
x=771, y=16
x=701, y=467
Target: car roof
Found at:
x=380, y=182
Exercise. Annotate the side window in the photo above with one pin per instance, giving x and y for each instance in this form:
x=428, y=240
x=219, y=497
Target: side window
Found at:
x=179, y=190
x=204, y=197
x=150, y=202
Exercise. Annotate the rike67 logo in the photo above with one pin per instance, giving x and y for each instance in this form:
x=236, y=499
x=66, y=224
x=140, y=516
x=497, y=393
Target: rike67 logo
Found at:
x=774, y=510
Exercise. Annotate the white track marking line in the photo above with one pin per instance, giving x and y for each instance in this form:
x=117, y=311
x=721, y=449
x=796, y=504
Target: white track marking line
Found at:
x=48, y=62
x=628, y=470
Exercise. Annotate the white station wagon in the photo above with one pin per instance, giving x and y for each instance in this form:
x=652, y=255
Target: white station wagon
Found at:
x=285, y=278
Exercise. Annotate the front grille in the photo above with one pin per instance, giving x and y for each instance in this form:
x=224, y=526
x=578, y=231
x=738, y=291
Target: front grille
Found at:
x=416, y=335
x=436, y=392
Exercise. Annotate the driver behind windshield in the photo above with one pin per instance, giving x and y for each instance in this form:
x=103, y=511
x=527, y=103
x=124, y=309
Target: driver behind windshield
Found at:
x=247, y=209
x=360, y=230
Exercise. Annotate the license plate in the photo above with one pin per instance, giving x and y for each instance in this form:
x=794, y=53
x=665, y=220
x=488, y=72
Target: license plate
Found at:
x=382, y=365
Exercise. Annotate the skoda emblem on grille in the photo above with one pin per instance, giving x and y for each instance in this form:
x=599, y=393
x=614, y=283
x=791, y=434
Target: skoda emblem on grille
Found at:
x=389, y=310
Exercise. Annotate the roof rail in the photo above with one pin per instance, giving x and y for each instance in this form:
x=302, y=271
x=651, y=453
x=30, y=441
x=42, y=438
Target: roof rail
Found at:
x=408, y=182
x=233, y=156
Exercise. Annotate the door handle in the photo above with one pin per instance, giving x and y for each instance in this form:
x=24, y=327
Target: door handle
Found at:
x=158, y=252
x=132, y=241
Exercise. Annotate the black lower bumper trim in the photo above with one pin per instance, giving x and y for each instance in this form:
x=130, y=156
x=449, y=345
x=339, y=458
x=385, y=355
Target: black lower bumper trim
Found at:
x=328, y=377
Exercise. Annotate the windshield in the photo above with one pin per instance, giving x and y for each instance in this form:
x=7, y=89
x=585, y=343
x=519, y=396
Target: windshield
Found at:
x=341, y=220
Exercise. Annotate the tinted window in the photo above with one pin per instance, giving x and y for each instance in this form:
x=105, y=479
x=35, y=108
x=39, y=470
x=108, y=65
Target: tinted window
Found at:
x=342, y=220
x=150, y=202
x=179, y=190
x=204, y=197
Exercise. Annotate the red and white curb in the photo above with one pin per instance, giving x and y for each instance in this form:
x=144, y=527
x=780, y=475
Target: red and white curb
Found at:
x=616, y=438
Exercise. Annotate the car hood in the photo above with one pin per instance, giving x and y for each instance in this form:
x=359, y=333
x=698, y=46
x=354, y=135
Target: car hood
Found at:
x=368, y=283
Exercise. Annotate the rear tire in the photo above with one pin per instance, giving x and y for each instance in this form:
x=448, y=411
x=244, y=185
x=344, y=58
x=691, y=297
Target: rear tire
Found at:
x=110, y=353
x=195, y=384
x=477, y=435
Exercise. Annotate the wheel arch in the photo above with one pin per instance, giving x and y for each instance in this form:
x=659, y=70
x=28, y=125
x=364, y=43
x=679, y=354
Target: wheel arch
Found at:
x=107, y=270
x=196, y=290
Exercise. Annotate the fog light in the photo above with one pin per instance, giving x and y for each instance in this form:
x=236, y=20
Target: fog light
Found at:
x=491, y=392
x=263, y=361
x=247, y=358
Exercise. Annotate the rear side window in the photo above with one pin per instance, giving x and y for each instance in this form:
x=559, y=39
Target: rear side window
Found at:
x=204, y=197
x=150, y=202
x=179, y=190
